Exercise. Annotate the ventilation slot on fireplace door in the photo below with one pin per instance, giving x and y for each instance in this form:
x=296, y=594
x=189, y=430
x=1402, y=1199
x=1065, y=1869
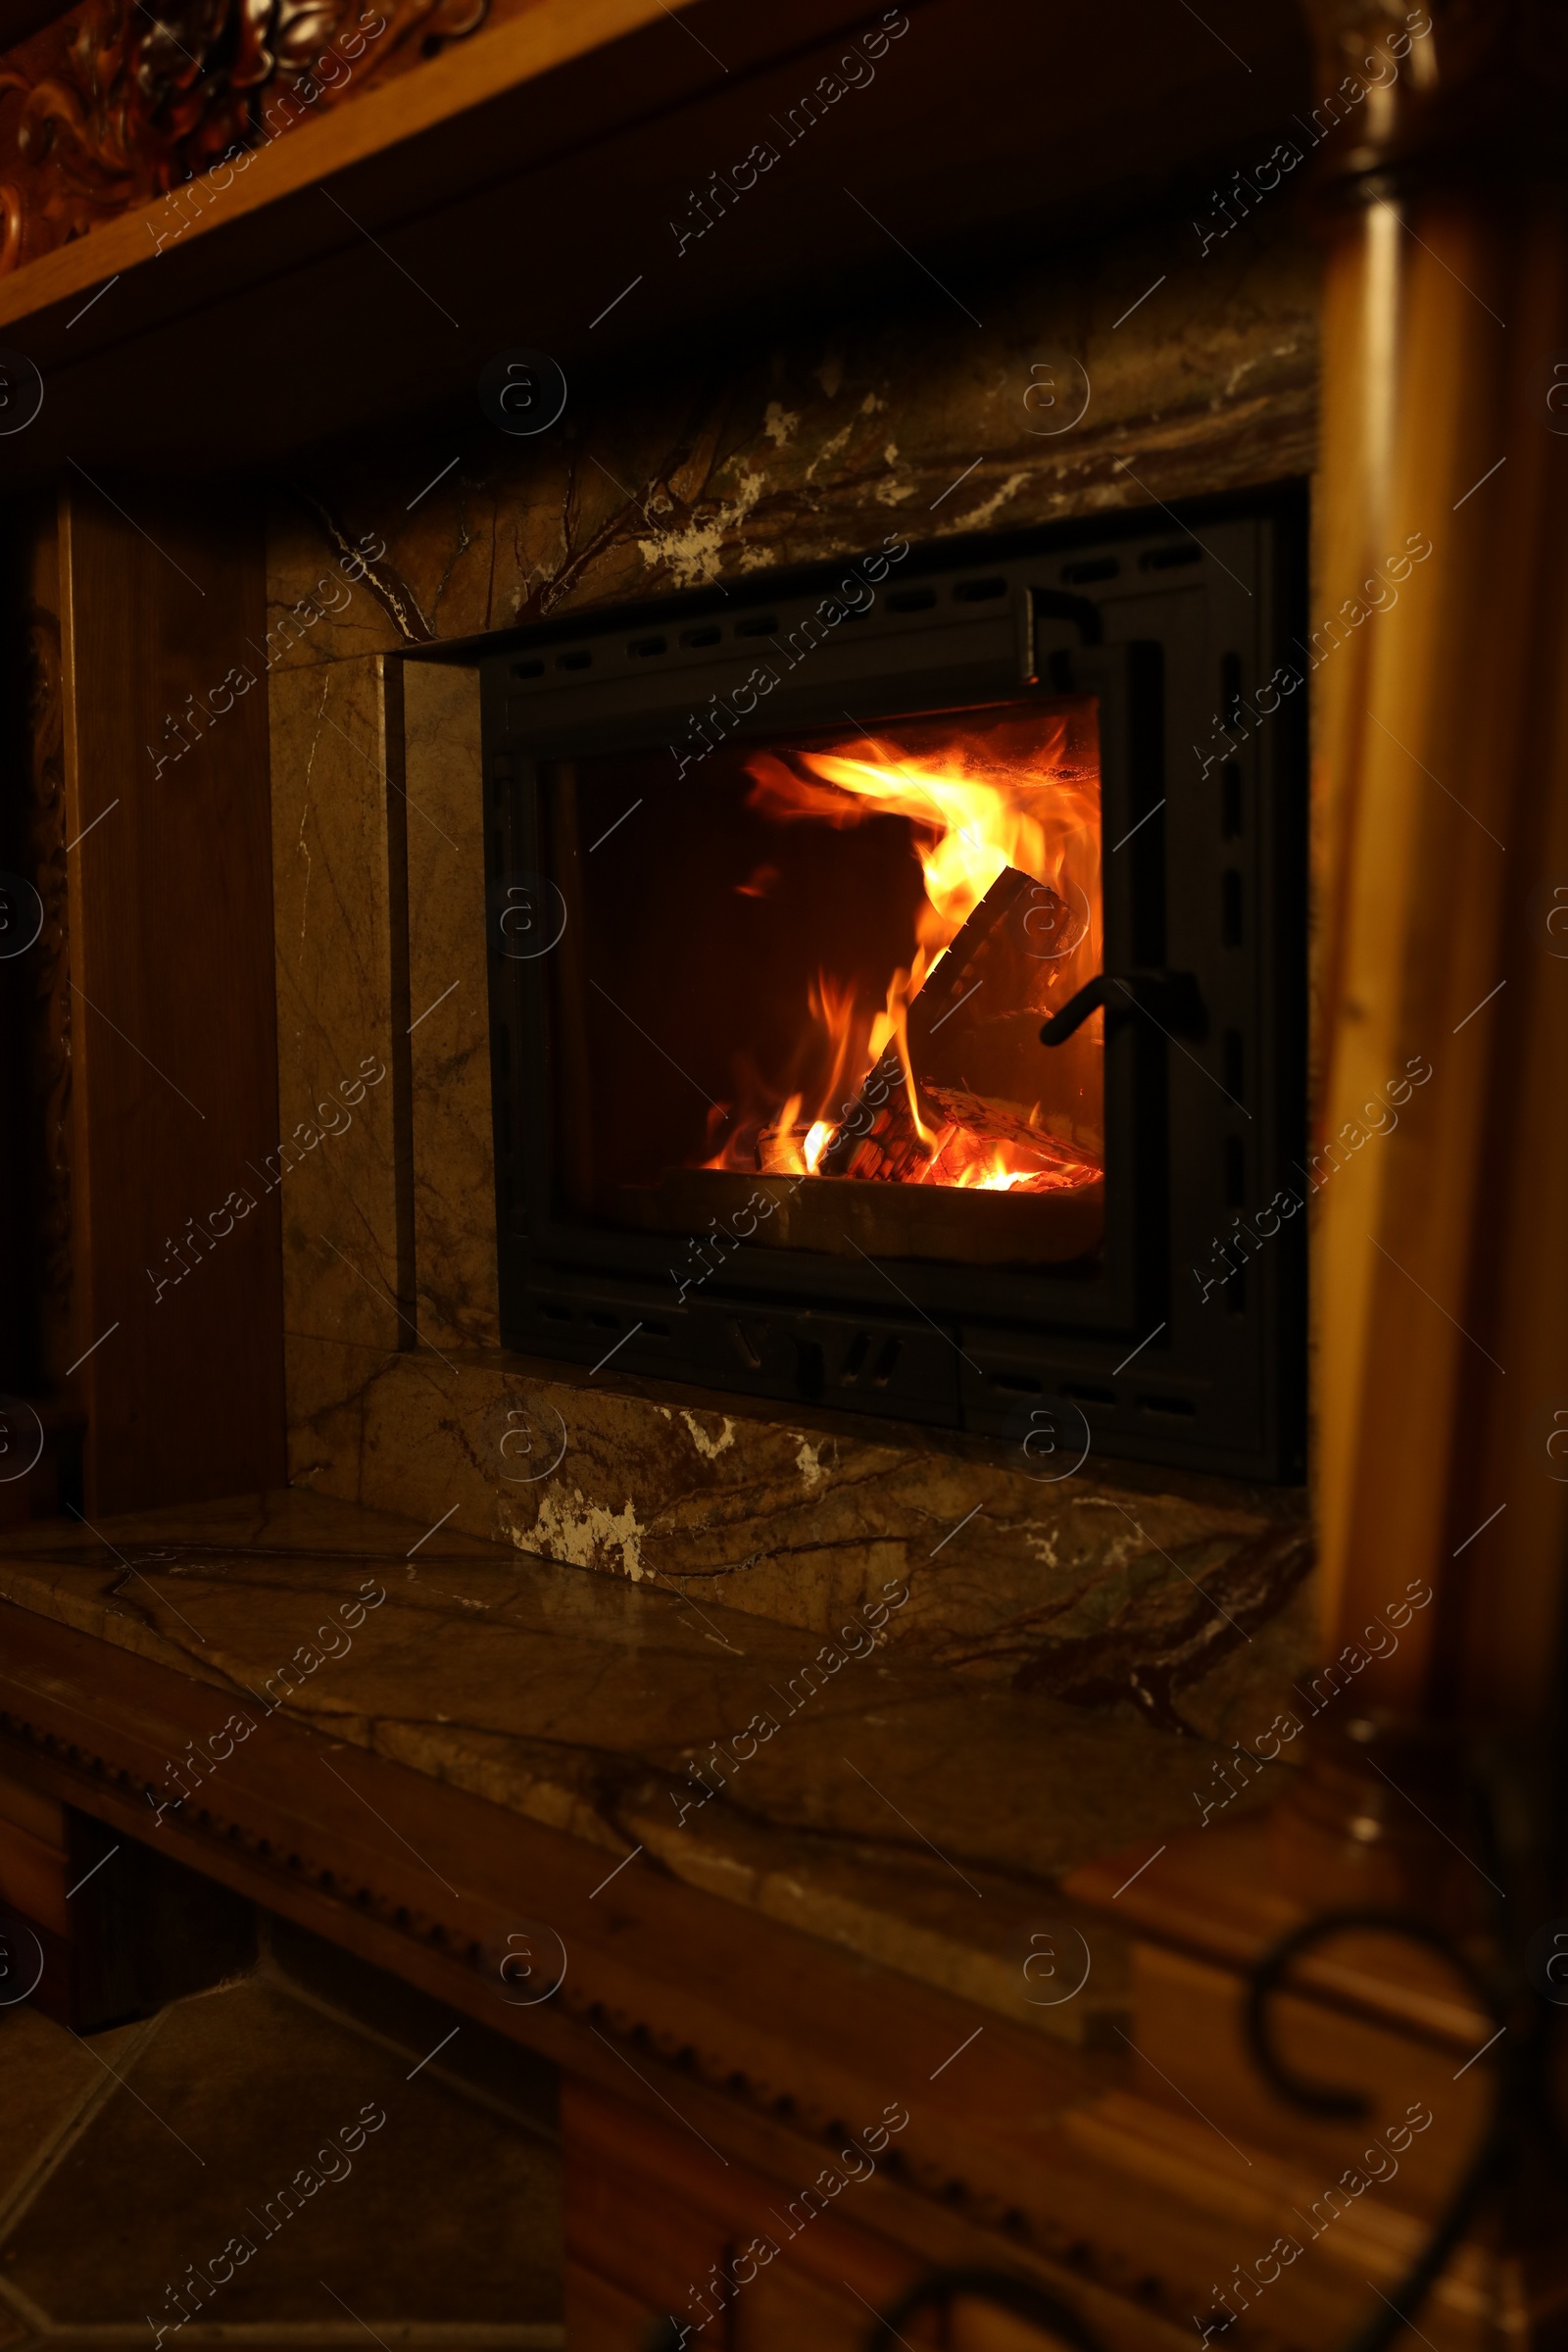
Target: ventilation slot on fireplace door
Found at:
x=870, y=1360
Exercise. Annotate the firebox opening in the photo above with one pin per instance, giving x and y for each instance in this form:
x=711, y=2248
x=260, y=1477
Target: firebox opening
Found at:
x=805, y=991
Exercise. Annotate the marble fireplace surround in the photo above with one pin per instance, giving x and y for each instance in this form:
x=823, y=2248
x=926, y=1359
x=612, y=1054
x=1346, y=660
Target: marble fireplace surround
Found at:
x=1171, y=1594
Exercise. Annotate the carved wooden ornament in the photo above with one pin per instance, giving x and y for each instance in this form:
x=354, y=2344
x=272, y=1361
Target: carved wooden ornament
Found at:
x=114, y=105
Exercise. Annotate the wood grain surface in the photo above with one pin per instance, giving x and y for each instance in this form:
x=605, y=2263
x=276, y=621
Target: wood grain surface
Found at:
x=174, y=1019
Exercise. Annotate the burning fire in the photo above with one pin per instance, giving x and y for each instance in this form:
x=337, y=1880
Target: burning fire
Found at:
x=979, y=808
x=971, y=824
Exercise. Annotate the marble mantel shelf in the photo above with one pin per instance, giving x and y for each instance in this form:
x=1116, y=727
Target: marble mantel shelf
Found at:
x=900, y=1812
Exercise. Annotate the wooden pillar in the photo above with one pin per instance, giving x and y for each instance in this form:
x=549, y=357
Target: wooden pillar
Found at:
x=1440, y=795
x=173, y=1324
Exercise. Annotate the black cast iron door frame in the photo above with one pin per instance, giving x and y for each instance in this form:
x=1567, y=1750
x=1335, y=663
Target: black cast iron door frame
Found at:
x=1175, y=631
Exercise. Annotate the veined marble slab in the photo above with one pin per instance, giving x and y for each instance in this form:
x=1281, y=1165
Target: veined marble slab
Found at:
x=833, y=1786
x=1107, y=1587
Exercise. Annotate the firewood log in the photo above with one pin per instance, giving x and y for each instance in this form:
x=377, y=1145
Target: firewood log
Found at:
x=877, y=1136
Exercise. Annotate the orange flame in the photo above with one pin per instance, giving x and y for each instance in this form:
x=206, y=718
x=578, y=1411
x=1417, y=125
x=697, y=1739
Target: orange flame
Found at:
x=976, y=807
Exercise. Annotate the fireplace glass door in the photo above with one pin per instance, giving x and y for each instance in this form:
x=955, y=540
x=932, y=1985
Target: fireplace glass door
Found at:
x=799, y=998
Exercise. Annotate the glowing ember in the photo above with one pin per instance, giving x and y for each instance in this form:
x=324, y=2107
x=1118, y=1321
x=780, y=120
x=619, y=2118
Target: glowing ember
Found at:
x=930, y=1085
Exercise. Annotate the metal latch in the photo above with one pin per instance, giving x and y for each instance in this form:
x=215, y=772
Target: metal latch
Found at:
x=1171, y=1000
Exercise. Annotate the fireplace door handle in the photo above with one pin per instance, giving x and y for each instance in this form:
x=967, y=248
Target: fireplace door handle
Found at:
x=1171, y=1001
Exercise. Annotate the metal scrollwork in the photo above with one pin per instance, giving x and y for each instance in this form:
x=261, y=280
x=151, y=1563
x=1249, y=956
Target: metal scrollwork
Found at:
x=1521, y=2125
x=1516, y=1989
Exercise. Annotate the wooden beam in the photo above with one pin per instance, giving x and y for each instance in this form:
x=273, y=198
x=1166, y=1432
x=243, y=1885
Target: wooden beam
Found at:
x=1441, y=801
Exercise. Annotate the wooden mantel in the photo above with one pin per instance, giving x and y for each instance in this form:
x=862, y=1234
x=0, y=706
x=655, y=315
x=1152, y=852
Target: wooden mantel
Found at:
x=366, y=266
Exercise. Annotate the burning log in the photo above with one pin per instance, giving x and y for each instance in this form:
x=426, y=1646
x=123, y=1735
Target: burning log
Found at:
x=976, y=1127
x=991, y=951
x=880, y=1133
x=877, y=1136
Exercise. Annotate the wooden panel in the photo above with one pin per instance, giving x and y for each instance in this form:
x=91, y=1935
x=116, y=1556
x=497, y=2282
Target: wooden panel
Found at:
x=633, y=2225
x=981, y=2327
x=787, y=2314
x=124, y=1930
x=601, y=2319
x=36, y=1323
x=785, y=2309
x=42, y=1817
x=32, y=1877
x=1213, y=1893
x=34, y=1174
x=69, y=1909
x=172, y=1007
x=668, y=2222
x=1192, y=2051
x=35, y=1863
x=650, y=2217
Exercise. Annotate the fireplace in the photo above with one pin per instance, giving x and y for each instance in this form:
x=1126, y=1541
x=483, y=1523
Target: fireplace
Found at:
x=898, y=989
